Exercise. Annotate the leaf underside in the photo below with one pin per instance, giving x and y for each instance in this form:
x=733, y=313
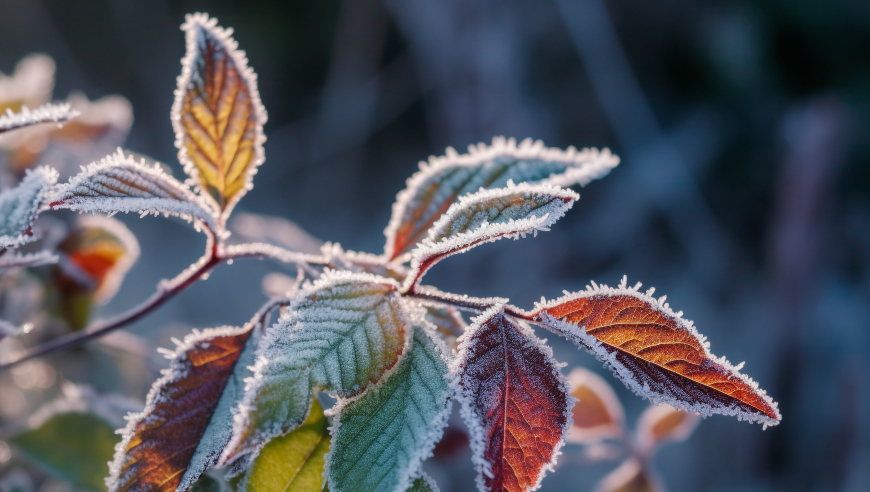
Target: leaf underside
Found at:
x=383, y=436
x=186, y=421
x=217, y=115
x=515, y=403
x=656, y=353
x=20, y=206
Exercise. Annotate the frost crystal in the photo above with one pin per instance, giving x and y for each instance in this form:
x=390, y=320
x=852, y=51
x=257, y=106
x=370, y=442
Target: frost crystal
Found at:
x=20, y=206
x=440, y=181
x=120, y=184
x=57, y=113
x=15, y=260
x=487, y=216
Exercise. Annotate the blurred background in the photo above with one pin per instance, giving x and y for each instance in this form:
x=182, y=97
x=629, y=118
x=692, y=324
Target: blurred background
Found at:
x=743, y=192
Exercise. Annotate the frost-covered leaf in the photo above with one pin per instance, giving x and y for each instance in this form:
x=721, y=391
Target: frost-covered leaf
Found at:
x=514, y=400
x=655, y=352
x=30, y=84
x=423, y=483
x=48, y=113
x=436, y=187
x=217, y=115
x=597, y=412
x=16, y=260
x=294, y=461
x=20, y=206
x=73, y=437
x=381, y=438
x=120, y=184
x=487, y=216
x=631, y=476
x=340, y=334
x=660, y=424
x=187, y=419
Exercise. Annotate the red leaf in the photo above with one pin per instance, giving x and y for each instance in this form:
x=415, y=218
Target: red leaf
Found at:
x=656, y=353
x=514, y=401
x=179, y=434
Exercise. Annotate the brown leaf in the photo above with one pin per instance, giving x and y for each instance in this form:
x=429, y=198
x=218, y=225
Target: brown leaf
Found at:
x=629, y=477
x=663, y=423
x=597, y=413
x=217, y=115
x=656, y=353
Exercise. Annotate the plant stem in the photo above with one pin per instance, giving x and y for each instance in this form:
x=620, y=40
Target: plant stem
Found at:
x=466, y=303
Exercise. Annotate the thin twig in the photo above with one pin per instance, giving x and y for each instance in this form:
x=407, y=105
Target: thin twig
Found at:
x=466, y=303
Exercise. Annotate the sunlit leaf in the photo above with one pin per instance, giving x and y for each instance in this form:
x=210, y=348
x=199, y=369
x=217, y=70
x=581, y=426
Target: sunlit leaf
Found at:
x=187, y=419
x=120, y=184
x=423, y=483
x=442, y=180
x=20, y=206
x=30, y=84
x=597, y=412
x=96, y=255
x=73, y=437
x=660, y=424
x=340, y=335
x=48, y=113
x=655, y=352
x=487, y=216
x=294, y=461
x=514, y=401
x=631, y=476
x=381, y=438
x=217, y=114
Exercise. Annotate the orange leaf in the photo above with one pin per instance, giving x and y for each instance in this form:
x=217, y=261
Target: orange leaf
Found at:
x=597, y=413
x=187, y=419
x=630, y=477
x=656, y=353
x=217, y=114
x=662, y=423
x=514, y=402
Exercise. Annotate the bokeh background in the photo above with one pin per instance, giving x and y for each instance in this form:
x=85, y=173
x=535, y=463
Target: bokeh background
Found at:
x=743, y=192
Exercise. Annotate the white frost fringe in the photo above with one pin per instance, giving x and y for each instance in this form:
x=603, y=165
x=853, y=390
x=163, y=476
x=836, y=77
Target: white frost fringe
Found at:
x=23, y=203
x=578, y=335
x=57, y=113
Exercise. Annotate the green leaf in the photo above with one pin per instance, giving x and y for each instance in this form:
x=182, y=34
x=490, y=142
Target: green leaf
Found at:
x=74, y=447
x=423, y=483
x=20, y=206
x=340, y=334
x=294, y=461
x=381, y=438
x=206, y=484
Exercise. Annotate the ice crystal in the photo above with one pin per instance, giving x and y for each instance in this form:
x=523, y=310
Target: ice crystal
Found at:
x=20, y=206
x=57, y=113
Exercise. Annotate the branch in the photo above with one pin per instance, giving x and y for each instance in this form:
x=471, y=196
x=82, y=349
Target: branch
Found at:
x=166, y=290
x=263, y=250
x=432, y=295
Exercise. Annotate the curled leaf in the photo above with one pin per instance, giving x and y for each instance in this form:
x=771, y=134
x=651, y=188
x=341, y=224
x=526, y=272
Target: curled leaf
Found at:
x=120, y=184
x=48, y=113
x=660, y=424
x=217, y=115
x=597, y=413
x=294, y=461
x=340, y=334
x=487, y=216
x=655, y=352
x=381, y=438
x=515, y=402
x=440, y=182
x=20, y=206
x=187, y=418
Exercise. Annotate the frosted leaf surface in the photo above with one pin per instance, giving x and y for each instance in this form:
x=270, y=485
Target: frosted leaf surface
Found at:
x=56, y=113
x=20, y=206
x=381, y=438
x=120, y=184
x=440, y=182
x=217, y=114
x=598, y=414
x=515, y=402
x=187, y=419
x=655, y=352
x=487, y=216
x=340, y=334
x=15, y=260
